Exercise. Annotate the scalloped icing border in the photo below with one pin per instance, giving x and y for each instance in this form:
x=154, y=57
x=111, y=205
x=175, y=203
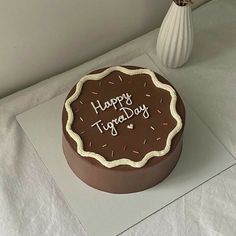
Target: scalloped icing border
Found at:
x=122, y=161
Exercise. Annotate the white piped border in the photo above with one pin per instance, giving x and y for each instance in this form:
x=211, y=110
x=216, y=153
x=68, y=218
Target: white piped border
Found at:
x=122, y=161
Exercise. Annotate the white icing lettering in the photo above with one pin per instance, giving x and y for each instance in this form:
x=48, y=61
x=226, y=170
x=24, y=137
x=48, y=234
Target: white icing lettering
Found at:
x=128, y=114
x=98, y=126
x=126, y=98
x=145, y=112
x=113, y=102
x=121, y=119
x=97, y=107
x=110, y=125
x=143, y=109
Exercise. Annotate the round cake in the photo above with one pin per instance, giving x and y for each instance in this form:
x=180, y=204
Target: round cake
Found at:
x=123, y=129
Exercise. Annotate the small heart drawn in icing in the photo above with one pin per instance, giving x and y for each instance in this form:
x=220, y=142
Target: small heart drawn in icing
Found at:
x=130, y=126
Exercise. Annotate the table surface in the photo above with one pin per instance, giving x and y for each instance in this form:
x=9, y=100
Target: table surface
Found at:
x=207, y=82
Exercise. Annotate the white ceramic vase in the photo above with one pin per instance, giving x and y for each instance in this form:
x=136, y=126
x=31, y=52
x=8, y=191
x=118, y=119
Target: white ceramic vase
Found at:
x=175, y=39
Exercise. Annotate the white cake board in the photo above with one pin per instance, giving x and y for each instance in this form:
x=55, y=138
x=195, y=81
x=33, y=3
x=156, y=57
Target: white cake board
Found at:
x=109, y=214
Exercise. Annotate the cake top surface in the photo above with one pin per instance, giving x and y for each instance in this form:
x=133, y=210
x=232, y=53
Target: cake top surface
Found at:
x=122, y=116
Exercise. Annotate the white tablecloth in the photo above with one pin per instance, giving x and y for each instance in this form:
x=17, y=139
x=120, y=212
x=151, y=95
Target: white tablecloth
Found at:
x=31, y=203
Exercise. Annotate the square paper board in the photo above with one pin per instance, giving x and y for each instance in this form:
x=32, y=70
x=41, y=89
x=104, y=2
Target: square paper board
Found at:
x=109, y=214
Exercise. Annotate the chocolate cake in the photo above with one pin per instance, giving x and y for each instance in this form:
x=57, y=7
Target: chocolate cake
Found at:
x=123, y=129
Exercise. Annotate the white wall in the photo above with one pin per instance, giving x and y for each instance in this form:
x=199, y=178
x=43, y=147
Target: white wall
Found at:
x=39, y=38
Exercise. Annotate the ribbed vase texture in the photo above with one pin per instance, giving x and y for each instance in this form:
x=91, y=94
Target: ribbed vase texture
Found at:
x=175, y=39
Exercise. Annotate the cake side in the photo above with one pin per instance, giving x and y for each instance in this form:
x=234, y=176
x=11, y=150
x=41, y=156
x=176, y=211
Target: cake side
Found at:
x=122, y=179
